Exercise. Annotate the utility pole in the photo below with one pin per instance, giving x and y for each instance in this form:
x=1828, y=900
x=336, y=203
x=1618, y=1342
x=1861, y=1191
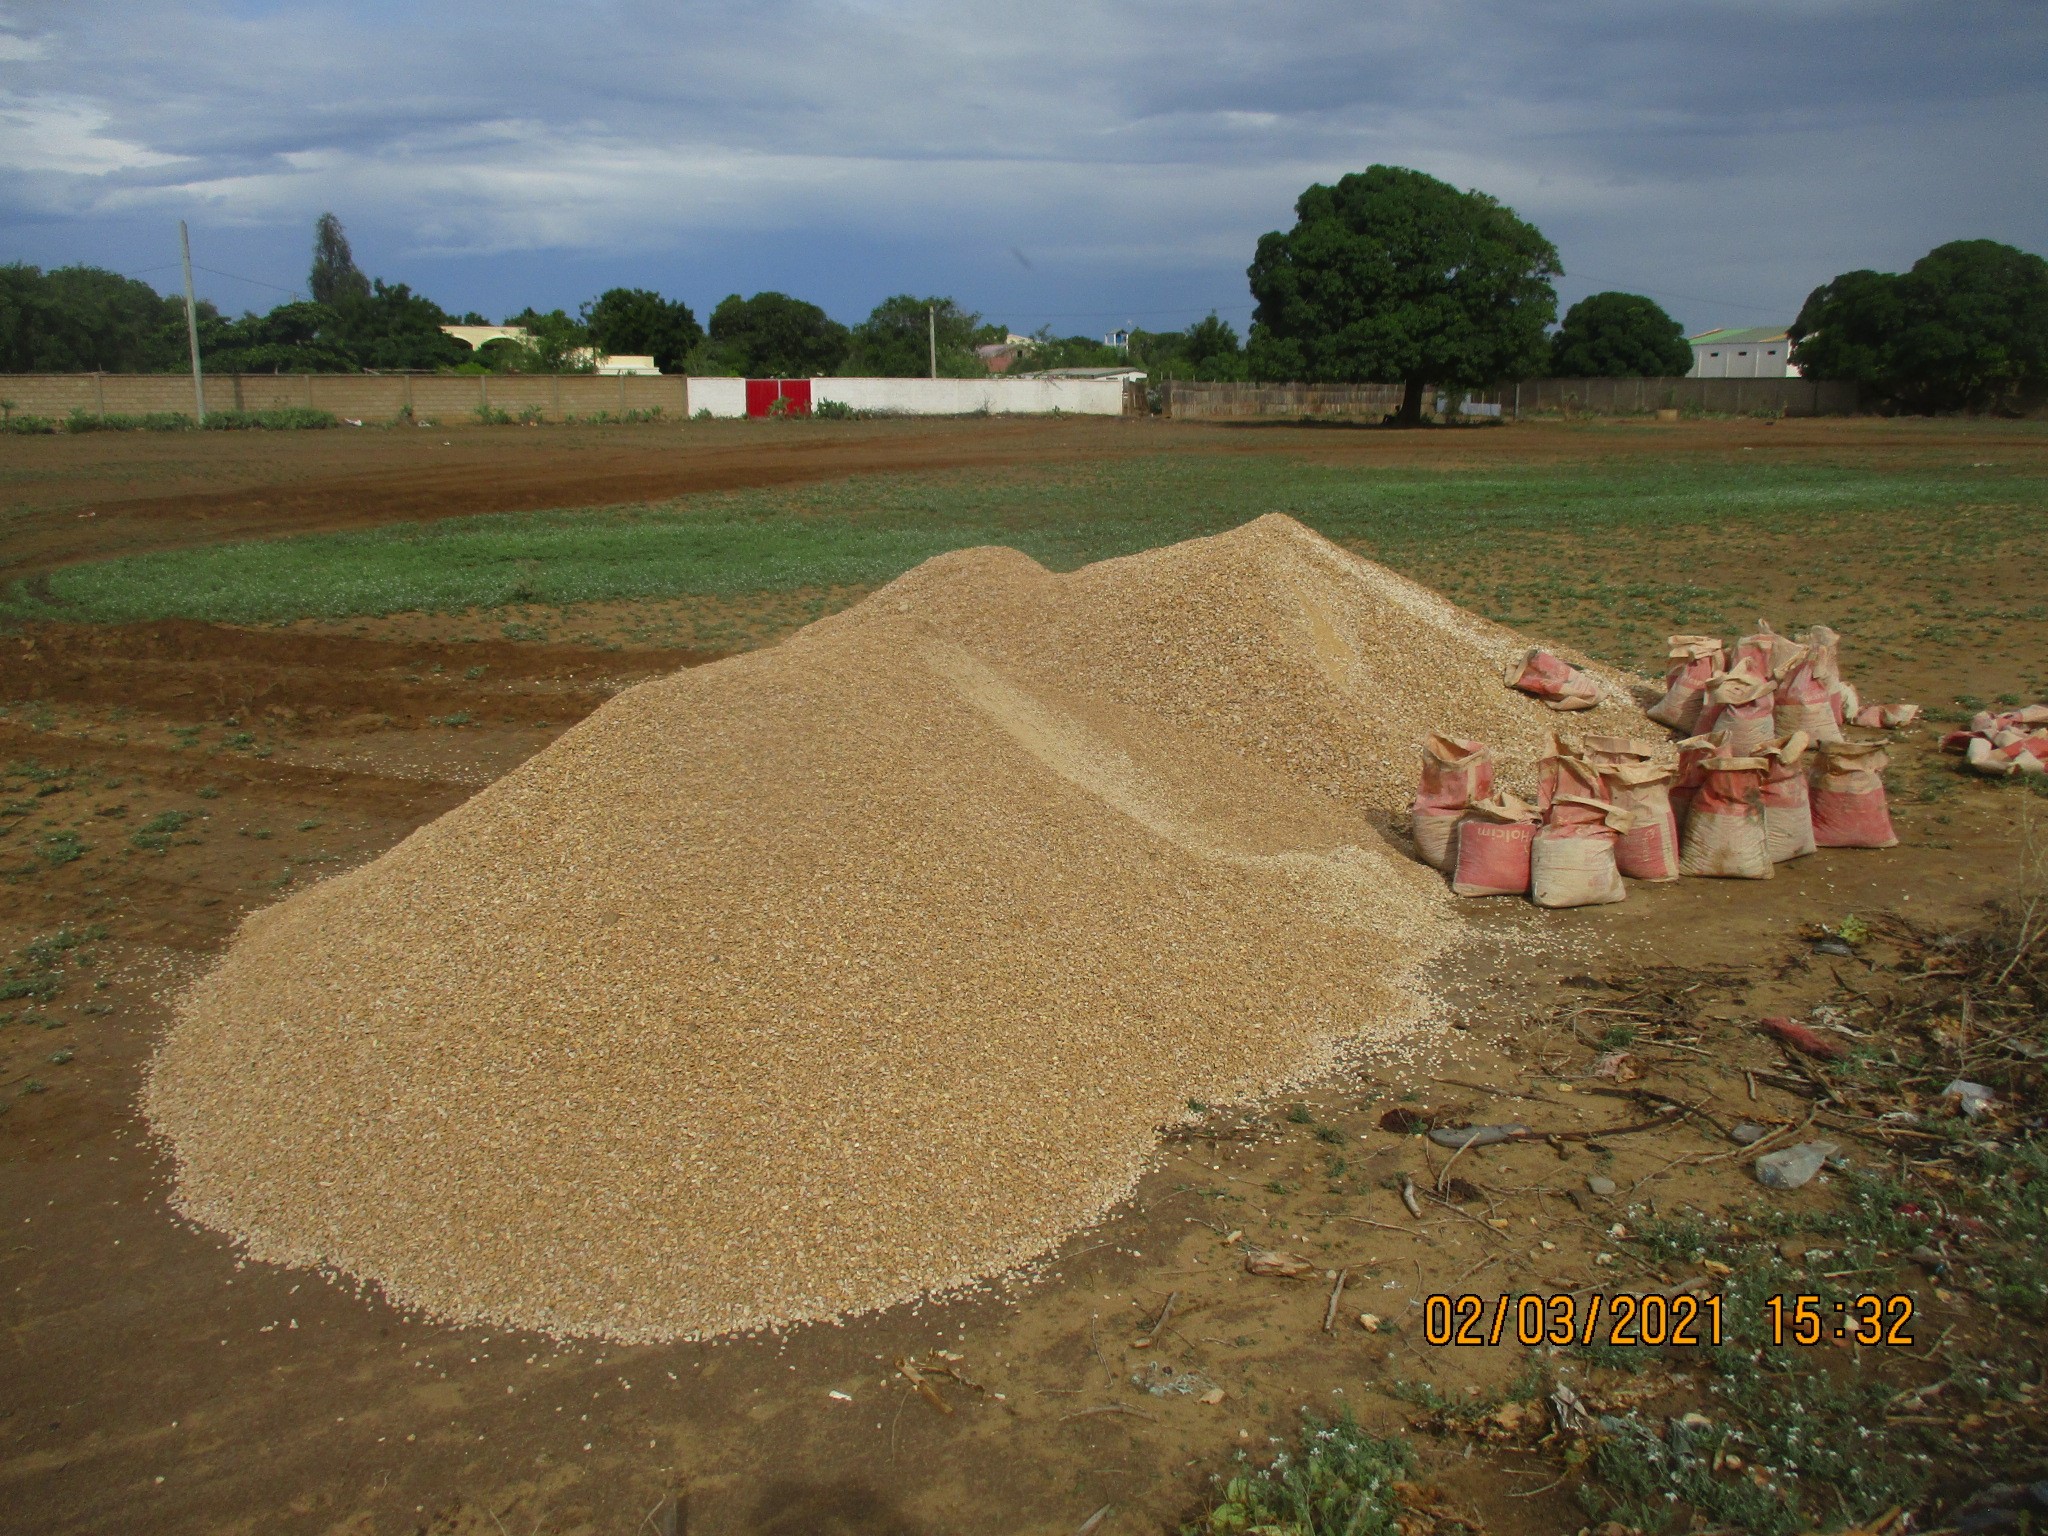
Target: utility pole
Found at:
x=931, y=320
x=192, y=323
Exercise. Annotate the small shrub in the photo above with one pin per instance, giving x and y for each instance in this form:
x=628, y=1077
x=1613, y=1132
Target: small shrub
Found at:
x=61, y=848
x=292, y=418
x=154, y=835
x=491, y=416
x=28, y=426
x=148, y=421
x=1338, y=1481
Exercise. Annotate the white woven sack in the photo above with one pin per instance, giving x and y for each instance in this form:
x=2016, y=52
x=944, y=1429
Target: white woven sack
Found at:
x=1435, y=833
x=1574, y=872
x=1788, y=829
x=1733, y=846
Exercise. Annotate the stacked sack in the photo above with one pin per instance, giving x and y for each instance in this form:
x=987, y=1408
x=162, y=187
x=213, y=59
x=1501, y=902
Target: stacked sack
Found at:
x=1763, y=775
x=2001, y=745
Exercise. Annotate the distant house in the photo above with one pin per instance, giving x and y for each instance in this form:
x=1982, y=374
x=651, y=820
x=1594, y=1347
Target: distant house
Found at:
x=610, y=364
x=475, y=337
x=1121, y=375
x=1753, y=352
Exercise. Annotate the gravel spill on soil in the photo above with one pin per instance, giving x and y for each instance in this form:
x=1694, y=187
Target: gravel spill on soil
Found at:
x=862, y=966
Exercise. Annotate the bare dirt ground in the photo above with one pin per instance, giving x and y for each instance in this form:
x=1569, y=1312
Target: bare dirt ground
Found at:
x=68, y=497
x=162, y=780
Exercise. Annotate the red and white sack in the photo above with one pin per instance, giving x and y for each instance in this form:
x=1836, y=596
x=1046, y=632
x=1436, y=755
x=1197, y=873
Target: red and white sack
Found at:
x=1885, y=717
x=1695, y=660
x=1549, y=678
x=1849, y=809
x=1765, y=650
x=1454, y=774
x=1741, y=703
x=1563, y=771
x=1788, y=809
x=1848, y=702
x=1648, y=850
x=1571, y=861
x=1826, y=647
x=1804, y=701
x=2022, y=754
x=1693, y=754
x=1724, y=831
x=1492, y=846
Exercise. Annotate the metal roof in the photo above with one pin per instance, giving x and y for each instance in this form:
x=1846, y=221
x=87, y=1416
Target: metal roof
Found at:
x=1739, y=336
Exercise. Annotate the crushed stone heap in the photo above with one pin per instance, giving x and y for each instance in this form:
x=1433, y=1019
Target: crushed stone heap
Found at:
x=862, y=966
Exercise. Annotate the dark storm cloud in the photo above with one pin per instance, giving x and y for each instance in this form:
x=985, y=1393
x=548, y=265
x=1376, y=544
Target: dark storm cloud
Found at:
x=1740, y=151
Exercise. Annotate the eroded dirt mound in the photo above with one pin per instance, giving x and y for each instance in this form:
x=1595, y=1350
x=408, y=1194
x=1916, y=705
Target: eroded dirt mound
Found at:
x=826, y=975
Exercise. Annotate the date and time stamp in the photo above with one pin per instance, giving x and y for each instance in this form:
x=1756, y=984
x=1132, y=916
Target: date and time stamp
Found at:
x=1652, y=1320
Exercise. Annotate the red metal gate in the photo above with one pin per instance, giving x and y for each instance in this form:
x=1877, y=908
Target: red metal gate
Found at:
x=778, y=397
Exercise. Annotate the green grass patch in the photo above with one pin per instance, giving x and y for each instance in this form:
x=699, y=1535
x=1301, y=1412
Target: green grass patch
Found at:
x=1447, y=527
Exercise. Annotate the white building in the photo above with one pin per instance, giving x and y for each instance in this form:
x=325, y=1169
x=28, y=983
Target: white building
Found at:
x=610, y=364
x=1755, y=352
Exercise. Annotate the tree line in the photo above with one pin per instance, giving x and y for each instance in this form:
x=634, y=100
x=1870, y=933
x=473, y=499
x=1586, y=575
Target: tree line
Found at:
x=85, y=319
x=1387, y=276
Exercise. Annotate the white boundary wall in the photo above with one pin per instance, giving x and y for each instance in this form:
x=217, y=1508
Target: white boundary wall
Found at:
x=964, y=397
x=721, y=397
x=932, y=397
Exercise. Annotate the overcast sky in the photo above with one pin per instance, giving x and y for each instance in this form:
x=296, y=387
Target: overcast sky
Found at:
x=1043, y=162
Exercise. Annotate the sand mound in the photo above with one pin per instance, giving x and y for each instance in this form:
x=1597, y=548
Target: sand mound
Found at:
x=868, y=964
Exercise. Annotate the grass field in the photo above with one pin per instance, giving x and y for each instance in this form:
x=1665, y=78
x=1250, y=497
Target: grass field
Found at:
x=1609, y=555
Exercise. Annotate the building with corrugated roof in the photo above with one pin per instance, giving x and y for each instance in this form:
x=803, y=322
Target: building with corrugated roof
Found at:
x=1748, y=352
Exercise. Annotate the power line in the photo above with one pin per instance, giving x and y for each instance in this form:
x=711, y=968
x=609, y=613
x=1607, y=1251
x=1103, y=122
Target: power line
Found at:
x=237, y=277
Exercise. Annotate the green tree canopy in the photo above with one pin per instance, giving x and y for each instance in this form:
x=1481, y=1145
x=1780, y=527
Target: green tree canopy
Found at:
x=299, y=337
x=1965, y=330
x=1049, y=351
x=393, y=328
x=1392, y=275
x=1208, y=349
x=81, y=319
x=556, y=342
x=335, y=277
x=639, y=320
x=895, y=341
x=1619, y=335
x=770, y=336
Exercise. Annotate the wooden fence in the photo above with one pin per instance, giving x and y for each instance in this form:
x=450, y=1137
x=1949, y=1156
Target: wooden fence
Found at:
x=1530, y=397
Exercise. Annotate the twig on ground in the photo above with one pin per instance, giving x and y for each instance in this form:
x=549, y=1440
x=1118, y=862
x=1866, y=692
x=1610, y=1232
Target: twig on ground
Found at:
x=1151, y=1335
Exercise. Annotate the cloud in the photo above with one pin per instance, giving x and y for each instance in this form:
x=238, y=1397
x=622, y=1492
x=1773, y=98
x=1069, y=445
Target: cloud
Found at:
x=1744, y=149
x=65, y=135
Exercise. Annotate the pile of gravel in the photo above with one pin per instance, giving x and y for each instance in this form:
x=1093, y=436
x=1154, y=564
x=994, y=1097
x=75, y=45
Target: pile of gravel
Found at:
x=862, y=966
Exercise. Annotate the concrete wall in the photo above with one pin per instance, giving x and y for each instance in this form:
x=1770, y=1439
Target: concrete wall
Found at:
x=721, y=397
x=964, y=397
x=933, y=397
x=361, y=396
